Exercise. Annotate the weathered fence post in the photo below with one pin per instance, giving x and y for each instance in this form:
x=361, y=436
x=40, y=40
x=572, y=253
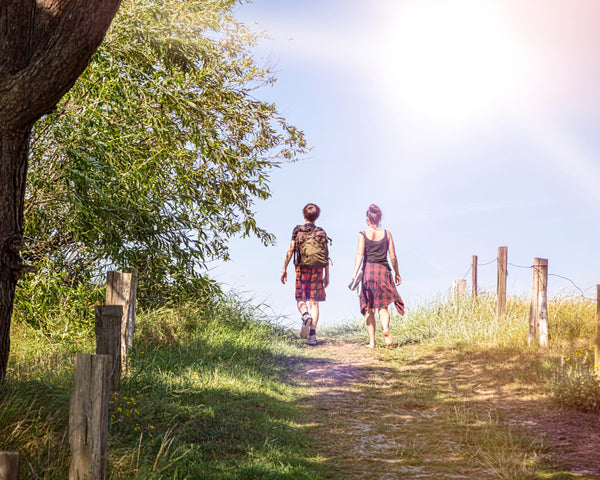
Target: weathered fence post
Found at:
x=88, y=417
x=459, y=287
x=538, y=311
x=543, y=304
x=597, y=346
x=501, y=289
x=474, y=277
x=9, y=465
x=121, y=289
x=108, y=338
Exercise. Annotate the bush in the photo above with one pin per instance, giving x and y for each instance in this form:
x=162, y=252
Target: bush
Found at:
x=51, y=304
x=576, y=384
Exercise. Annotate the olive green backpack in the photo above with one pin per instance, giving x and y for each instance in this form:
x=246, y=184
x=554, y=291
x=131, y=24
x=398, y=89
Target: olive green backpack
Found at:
x=312, y=247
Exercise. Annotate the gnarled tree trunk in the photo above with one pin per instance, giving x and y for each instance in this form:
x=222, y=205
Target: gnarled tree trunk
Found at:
x=44, y=46
x=13, y=173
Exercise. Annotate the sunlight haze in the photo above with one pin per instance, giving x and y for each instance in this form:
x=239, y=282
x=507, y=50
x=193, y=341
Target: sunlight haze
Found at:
x=472, y=124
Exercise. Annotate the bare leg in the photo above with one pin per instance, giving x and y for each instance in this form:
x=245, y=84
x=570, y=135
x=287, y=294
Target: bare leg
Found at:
x=314, y=313
x=370, y=318
x=384, y=318
x=302, y=307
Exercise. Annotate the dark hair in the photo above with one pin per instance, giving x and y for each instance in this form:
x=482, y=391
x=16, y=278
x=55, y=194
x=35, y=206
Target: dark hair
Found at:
x=374, y=214
x=311, y=212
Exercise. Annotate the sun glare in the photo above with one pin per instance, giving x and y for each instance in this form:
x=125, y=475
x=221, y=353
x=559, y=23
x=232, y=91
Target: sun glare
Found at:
x=451, y=62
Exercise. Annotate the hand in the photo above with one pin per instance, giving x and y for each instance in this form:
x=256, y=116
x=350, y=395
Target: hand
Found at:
x=398, y=279
x=326, y=281
x=283, y=276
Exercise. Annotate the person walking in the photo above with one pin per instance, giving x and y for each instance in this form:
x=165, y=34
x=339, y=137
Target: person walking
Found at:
x=310, y=249
x=378, y=286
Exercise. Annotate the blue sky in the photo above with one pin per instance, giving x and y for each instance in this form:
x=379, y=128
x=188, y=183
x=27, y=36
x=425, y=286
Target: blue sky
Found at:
x=472, y=124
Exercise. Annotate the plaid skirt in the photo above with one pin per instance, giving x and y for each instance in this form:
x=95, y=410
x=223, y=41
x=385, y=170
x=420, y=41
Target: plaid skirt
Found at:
x=309, y=284
x=379, y=289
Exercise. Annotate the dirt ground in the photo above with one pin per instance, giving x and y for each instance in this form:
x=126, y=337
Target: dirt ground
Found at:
x=363, y=419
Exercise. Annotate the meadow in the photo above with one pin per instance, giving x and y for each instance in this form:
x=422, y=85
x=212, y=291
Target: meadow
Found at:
x=215, y=391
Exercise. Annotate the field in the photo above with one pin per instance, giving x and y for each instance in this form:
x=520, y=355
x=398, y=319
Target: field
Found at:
x=226, y=393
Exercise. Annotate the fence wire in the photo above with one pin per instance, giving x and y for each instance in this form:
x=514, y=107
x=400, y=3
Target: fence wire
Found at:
x=495, y=260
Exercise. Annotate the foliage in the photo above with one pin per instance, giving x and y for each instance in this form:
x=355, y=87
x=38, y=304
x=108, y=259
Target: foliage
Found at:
x=471, y=324
x=60, y=310
x=209, y=395
x=576, y=383
x=156, y=156
x=471, y=321
x=205, y=397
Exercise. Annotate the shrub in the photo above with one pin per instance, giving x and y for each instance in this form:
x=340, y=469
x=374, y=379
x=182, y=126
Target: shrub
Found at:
x=575, y=384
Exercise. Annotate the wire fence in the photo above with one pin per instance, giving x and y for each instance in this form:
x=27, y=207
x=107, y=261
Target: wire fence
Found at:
x=530, y=267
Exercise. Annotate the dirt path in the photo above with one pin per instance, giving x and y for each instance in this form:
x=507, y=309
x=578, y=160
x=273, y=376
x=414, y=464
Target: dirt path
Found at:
x=405, y=414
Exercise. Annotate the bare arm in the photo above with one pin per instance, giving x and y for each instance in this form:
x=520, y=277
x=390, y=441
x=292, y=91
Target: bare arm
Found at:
x=326, y=279
x=394, y=259
x=288, y=257
x=359, y=254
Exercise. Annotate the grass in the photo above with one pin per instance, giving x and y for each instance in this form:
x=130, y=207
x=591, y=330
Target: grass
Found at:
x=211, y=394
x=206, y=397
x=463, y=385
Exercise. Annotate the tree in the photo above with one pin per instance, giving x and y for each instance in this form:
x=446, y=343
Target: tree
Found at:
x=44, y=47
x=156, y=156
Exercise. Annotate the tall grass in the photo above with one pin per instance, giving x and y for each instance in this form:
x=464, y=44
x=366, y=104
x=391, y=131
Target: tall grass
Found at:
x=473, y=321
x=565, y=365
x=205, y=397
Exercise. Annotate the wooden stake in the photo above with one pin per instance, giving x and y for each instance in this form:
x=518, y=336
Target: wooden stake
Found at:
x=538, y=311
x=121, y=290
x=459, y=287
x=535, y=295
x=108, y=338
x=474, y=277
x=501, y=289
x=9, y=465
x=597, y=346
x=88, y=417
x=542, y=320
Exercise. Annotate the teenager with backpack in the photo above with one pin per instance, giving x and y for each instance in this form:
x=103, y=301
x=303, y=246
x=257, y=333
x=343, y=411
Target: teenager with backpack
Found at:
x=378, y=285
x=310, y=248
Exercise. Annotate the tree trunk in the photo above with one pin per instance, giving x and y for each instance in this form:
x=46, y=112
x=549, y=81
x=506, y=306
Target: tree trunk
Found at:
x=44, y=46
x=13, y=173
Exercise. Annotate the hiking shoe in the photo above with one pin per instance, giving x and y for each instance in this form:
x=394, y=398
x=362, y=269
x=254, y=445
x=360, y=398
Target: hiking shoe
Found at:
x=312, y=340
x=306, y=324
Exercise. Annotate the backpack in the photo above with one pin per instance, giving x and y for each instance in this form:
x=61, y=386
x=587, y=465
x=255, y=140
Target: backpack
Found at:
x=311, y=247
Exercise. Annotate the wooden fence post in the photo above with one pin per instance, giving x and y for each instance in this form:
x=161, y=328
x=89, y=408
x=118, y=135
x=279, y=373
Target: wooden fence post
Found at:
x=121, y=289
x=9, y=465
x=597, y=346
x=459, y=287
x=543, y=303
x=108, y=338
x=474, y=277
x=501, y=289
x=538, y=311
x=88, y=417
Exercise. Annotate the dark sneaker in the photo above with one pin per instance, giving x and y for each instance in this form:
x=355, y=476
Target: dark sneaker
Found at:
x=312, y=340
x=306, y=324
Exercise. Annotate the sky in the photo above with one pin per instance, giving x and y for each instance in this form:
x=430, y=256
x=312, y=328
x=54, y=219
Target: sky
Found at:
x=473, y=124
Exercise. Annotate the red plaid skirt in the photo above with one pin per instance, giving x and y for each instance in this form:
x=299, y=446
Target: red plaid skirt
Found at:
x=379, y=289
x=309, y=284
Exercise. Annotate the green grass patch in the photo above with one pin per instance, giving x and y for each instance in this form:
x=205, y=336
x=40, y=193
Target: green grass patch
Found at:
x=205, y=397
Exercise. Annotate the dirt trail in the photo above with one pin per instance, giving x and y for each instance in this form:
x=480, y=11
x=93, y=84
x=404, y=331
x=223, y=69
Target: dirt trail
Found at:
x=401, y=414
